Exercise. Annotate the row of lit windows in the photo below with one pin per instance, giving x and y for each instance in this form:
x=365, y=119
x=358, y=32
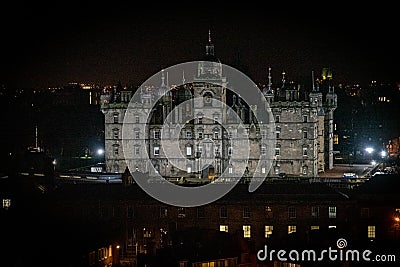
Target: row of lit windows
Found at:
x=268, y=230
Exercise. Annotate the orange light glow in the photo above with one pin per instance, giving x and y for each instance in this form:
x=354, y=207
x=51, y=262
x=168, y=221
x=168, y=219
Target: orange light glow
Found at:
x=397, y=219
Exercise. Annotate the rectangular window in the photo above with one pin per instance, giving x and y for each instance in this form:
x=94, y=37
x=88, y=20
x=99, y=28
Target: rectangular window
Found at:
x=137, y=135
x=223, y=228
x=263, y=150
x=371, y=231
x=216, y=120
x=230, y=135
x=115, y=118
x=292, y=212
x=163, y=212
x=268, y=212
x=188, y=151
x=332, y=212
x=314, y=212
x=200, y=135
x=305, y=118
x=291, y=229
x=201, y=212
x=116, y=135
x=364, y=213
x=216, y=135
x=305, y=134
x=157, y=134
x=230, y=170
x=335, y=139
x=314, y=227
x=268, y=231
x=129, y=212
x=304, y=151
x=246, y=212
x=277, y=151
x=189, y=169
x=230, y=151
x=156, y=151
x=263, y=134
x=332, y=227
x=223, y=212
x=137, y=150
x=200, y=120
x=188, y=134
x=137, y=119
x=246, y=231
x=277, y=118
x=116, y=150
x=181, y=213
x=263, y=170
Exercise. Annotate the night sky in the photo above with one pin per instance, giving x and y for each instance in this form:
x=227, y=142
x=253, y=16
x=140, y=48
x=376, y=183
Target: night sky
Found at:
x=46, y=46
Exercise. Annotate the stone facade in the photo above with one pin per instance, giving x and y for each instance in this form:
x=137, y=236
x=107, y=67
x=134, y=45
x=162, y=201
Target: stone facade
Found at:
x=303, y=127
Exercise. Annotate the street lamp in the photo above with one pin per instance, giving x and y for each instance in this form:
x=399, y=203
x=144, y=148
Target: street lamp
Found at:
x=100, y=151
x=369, y=150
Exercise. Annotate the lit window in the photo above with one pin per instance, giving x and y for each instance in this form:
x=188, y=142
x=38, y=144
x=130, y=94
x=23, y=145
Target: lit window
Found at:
x=6, y=203
x=315, y=212
x=223, y=228
x=156, y=151
x=188, y=151
x=230, y=170
x=335, y=139
x=246, y=212
x=371, y=231
x=292, y=229
x=332, y=212
x=263, y=170
x=189, y=169
x=223, y=212
x=246, y=231
x=304, y=151
x=332, y=227
x=292, y=212
x=157, y=134
x=314, y=227
x=277, y=170
x=268, y=231
x=263, y=150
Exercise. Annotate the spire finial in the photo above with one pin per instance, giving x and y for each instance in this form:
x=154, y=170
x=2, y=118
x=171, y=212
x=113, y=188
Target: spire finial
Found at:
x=183, y=77
x=269, y=79
x=209, y=35
x=313, y=82
x=162, y=78
x=283, y=78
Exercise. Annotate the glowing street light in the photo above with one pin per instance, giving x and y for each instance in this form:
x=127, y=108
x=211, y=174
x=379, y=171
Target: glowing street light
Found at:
x=100, y=151
x=369, y=150
x=383, y=153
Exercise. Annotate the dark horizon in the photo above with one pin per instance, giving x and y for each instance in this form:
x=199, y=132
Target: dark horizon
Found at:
x=51, y=46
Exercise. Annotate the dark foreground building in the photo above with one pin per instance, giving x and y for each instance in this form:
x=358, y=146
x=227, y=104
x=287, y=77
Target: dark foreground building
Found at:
x=108, y=224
